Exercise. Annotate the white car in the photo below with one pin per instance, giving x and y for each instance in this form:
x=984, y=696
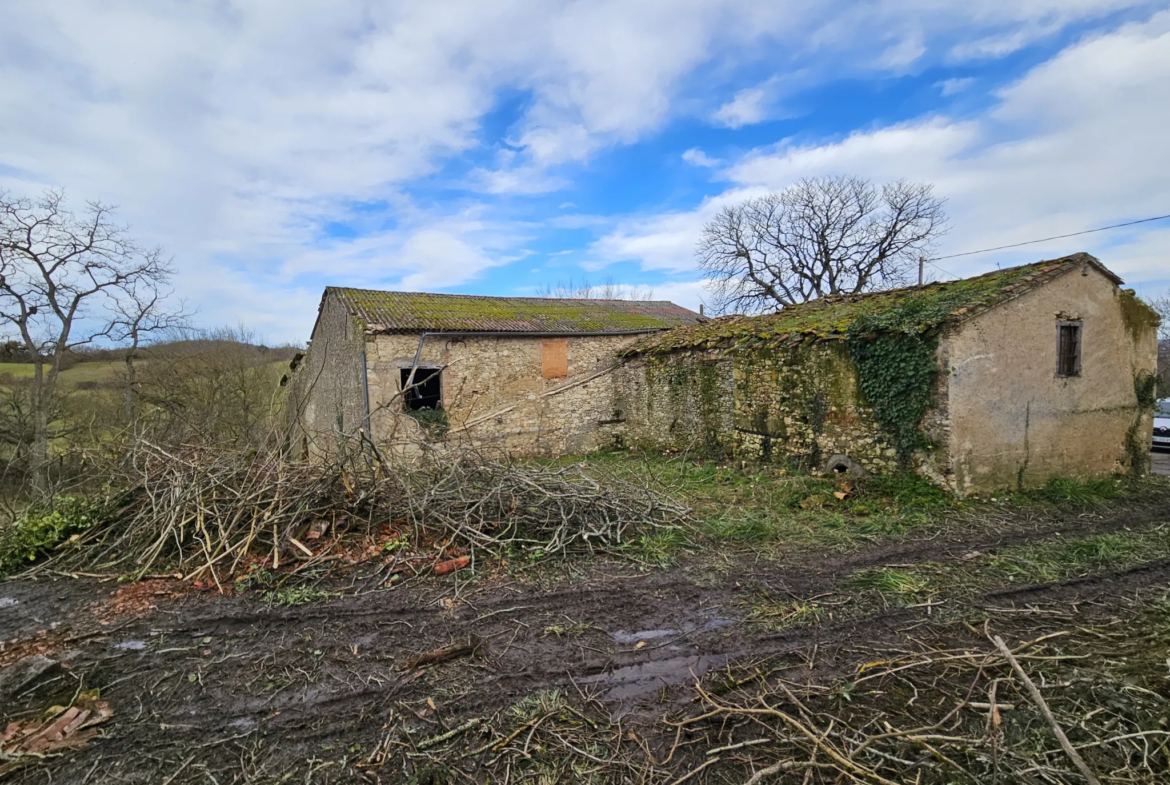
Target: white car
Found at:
x=1162, y=425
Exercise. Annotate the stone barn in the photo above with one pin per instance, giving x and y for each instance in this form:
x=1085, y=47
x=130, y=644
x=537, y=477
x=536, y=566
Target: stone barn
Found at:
x=1004, y=380
x=529, y=376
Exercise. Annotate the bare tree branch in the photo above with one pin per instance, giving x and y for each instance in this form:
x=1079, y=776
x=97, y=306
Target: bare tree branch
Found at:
x=821, y=236
x=587, y=291
x=62, y=277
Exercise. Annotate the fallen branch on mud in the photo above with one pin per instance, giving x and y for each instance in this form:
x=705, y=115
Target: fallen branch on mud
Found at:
x=923, y=715
x=1042, y=705
x=443, y=655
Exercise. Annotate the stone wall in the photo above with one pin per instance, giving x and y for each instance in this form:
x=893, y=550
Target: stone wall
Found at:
x=495, y=394
x=795, y=402
x=325, y=399
x=1015, y=423
x=683, y=401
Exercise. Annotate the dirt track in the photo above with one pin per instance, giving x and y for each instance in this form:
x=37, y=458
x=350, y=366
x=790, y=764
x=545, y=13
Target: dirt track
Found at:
x=227, y=682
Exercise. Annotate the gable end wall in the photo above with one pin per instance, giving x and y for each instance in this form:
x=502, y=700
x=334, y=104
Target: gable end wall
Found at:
x=325, y=403
x=1014, y=422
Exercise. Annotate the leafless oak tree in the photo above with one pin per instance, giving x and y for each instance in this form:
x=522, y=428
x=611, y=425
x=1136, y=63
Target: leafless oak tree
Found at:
x=820, y=236
x=66, y=280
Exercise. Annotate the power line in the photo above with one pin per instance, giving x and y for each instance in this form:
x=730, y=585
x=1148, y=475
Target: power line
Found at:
x=1044, y=240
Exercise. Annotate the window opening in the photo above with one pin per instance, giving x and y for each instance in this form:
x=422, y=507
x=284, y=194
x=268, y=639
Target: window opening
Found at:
x=426, y=391
x=1068, y=349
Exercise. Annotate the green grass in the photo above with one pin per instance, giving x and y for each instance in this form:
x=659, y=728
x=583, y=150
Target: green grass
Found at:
x=82, y=372
x=899, y=583
x=1065, y=559
x=99, y=372
x=574, y=629
x=777, y=512
x=660, y=546
x=786, y=615
x=1050, y=561
x=1076, y=492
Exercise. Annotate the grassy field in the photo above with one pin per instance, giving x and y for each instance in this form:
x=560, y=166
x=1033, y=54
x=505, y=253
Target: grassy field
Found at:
x=774, y=512
x=99, y=372
x=82, y=372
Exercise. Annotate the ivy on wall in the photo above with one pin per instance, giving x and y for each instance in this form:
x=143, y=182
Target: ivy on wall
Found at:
x=1146, y=388
x=896, y=373
x=894, y=353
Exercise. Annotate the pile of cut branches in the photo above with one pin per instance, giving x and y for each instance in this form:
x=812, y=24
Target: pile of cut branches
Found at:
x=484, y=503
x=198, y=509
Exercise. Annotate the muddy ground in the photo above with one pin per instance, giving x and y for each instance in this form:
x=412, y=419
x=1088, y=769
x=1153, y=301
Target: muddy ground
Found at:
x=211, y=688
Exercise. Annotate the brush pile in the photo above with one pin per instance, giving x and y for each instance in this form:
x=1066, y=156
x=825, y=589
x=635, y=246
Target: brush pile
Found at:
x=197, y=509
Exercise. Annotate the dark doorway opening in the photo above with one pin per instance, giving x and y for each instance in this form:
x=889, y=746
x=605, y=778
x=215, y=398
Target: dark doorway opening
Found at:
x=426, y=391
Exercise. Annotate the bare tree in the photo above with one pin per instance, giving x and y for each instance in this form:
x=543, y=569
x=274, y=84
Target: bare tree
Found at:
x=587, y=291
x=142, y=313
x=1161, y=306
x=62, y=277
x=820, y=236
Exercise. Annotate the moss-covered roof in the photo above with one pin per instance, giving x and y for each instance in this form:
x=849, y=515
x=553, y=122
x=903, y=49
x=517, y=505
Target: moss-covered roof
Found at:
x=412, y=312
x=918, y=308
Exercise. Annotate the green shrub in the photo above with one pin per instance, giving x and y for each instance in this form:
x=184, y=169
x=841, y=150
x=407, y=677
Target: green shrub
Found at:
x=434, y=422
x=43, y=529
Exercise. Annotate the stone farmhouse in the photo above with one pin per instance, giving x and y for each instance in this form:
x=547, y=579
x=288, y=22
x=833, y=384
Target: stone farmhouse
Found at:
x=526, y=375
x=1003, y=380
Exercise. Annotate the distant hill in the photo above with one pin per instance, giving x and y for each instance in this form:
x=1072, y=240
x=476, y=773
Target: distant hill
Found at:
x=13, y=353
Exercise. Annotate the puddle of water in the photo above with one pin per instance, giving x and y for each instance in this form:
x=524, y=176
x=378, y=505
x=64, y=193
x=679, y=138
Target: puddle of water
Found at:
x=627, y=683
x=131, y=645
x=623, y=637
x=633, y=681
x=8, y=602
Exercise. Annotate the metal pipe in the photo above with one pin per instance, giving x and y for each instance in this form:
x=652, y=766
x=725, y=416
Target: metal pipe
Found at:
x=366, y=392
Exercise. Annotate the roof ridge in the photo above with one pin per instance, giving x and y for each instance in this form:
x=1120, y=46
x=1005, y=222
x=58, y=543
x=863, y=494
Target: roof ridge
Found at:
x=501, y=297
x=832, y=316
x=379, y=310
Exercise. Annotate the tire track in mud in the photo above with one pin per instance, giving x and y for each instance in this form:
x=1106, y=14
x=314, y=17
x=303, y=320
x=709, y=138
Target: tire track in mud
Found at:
x=335, y=664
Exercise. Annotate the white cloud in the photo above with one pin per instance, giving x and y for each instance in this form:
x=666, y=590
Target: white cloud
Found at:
x=901, y=55
x=1077, y=143
x=230, y=131
x=688, y=294
x=664, y=242
x=746, y=108
x=696, y=157
x=949, y=87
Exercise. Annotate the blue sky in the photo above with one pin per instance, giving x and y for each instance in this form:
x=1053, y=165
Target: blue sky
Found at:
x=274, y=147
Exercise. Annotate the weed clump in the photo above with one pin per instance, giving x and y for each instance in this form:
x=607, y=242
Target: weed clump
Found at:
x=1063, y=490
x=42, y=529
x=898, y=583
